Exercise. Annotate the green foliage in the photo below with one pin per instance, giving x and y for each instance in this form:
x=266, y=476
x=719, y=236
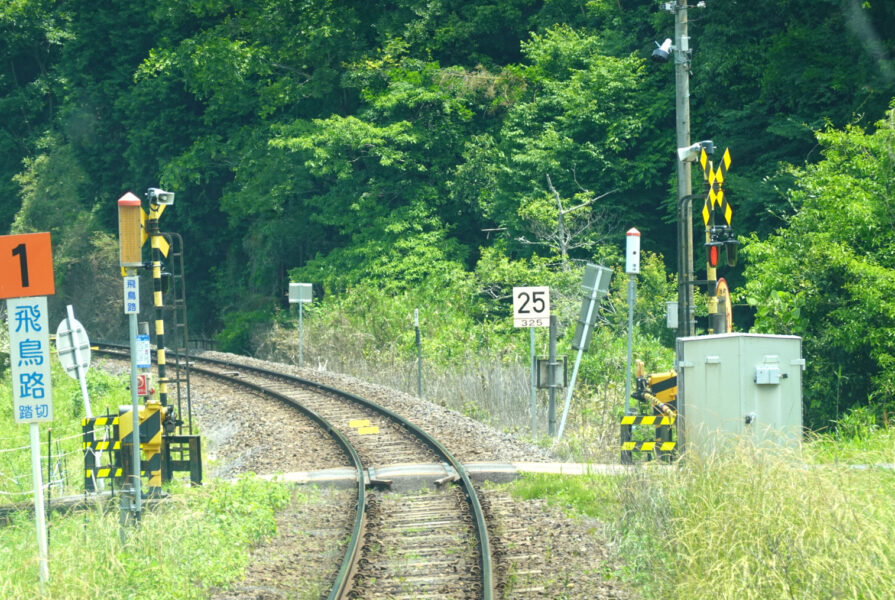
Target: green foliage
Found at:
x=859, y=439
x=591, y=495
x=105, y=390
x=4, y=345
x=169, y=556
x=829, y=276
x=241, y=328
x=32, y=34
x=377, y=320
x=738, y=516
x=344, y=142
x=574, y=137
x=765, y=83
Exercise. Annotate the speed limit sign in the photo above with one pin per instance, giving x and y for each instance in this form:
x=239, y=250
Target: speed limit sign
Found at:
x=531, y=306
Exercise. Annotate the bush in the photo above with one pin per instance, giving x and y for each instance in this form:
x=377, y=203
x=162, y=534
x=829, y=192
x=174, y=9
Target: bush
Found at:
x=241, y=329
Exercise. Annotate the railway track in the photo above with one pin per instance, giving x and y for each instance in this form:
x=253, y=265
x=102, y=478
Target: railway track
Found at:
x=432, y=543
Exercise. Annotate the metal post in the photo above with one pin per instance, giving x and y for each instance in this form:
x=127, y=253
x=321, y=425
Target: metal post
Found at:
x=571, y=388
x=534, y=383
x=301, y=332
x=632, y=291
x=711, y=273
x=551, y=377
x=39, y=514
x=79, y=370
x=588, y=323
x=686, y=325
x=135, y=418
x=49, y=481
x=419, y=353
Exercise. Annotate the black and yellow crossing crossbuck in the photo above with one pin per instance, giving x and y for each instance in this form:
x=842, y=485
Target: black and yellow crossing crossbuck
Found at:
x=715, y=179
x=718, y=238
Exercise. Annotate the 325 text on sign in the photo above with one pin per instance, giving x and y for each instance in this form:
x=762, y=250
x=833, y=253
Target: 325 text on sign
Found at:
x=531, y=306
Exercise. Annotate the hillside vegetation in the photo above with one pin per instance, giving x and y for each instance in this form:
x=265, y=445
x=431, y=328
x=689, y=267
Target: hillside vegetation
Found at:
x=432, y=154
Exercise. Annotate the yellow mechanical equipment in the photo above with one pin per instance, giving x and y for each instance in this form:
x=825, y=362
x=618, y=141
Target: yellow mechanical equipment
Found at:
x=656, y=394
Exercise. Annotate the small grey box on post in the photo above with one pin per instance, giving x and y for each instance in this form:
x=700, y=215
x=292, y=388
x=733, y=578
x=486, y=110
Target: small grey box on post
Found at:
x=301, y=293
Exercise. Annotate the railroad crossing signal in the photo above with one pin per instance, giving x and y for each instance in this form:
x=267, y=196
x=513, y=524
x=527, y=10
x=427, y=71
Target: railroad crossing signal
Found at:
x=716, y=191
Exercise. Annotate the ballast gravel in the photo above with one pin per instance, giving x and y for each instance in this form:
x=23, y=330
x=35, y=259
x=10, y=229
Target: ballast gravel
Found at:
x=543, y=552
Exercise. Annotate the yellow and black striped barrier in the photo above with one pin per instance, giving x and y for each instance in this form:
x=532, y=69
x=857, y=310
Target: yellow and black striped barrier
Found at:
x=150, y=432
x=105, y=420
x=102, y=445
x=108, y=473
x=656, y=420
x=102, y=473
x=120, y=437
x=648, y=446
x=662, y=439
x=94, y=448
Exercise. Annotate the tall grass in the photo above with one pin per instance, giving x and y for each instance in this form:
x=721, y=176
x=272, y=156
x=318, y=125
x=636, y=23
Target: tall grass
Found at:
x=196, y=540
x=746, y=523
x=493, y=391
x=61, y=447
x=492, y=387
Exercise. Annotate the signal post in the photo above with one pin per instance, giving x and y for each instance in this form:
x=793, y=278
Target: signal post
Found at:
x=26, y=279
x=130, y=241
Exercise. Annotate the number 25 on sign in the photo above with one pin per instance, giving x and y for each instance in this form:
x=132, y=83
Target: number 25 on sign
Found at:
x=531, y=306
x=26, y=266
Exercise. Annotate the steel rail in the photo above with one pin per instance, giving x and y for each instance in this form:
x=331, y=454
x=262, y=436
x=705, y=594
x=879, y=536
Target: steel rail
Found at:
x=472, y=498
x=344, y=578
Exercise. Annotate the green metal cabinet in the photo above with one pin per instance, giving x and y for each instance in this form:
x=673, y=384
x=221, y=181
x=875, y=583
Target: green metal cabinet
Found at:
x=739, y=384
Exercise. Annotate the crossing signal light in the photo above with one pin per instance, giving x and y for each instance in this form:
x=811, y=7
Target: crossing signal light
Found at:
x=129, y=231
x=721, y=235
x=730, y=249
x=713, y=251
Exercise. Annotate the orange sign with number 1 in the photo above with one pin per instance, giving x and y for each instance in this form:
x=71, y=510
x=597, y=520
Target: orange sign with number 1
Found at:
x=26, y=266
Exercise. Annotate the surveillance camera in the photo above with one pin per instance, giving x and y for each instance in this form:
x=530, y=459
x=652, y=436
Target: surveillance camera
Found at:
x=663, y=51
x=691, y=153
x=157, y=196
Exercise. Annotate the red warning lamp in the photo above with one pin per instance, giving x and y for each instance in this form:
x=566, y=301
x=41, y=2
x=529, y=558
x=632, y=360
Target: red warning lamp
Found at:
x=713, y=252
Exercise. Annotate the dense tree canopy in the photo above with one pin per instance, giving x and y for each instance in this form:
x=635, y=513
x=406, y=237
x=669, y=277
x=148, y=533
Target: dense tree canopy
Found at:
x=828, y=275
x=378, y=142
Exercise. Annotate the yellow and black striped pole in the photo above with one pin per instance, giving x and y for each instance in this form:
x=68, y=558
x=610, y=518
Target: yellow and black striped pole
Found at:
x=711, y=273
x=716, y=196
x=159, y=249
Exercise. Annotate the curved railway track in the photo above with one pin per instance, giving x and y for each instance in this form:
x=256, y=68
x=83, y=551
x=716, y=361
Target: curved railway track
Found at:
x=429, y=544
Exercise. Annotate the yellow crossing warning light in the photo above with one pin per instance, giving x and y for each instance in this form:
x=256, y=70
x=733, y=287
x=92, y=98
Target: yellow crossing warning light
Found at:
x=130, y=231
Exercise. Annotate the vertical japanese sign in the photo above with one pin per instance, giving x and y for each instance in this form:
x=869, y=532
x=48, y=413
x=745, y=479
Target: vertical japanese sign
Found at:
x=26, y=278
x=131, y=295
x=29, y=355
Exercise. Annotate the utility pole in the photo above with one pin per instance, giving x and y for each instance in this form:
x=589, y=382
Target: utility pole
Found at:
x=686, y=325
